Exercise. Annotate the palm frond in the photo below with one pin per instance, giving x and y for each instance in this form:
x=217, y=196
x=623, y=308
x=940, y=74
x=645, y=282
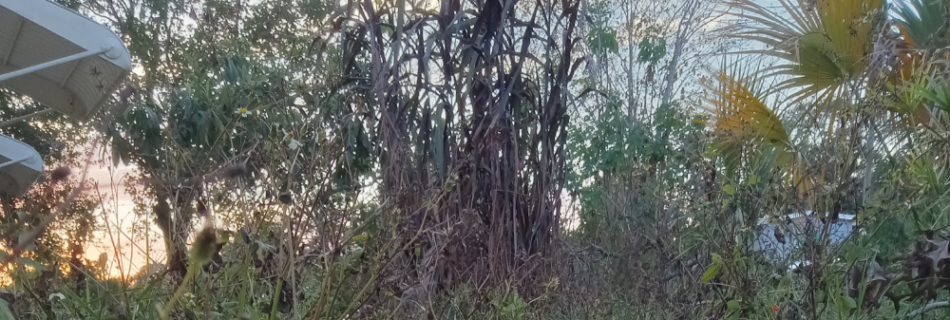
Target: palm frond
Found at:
x=745, y=128
x=823, y=45
x=925, y=22
x=741, y=121
x=736, y=110
x=848, y=25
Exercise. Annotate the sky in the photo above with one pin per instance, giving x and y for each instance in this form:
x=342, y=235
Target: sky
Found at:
x=117, y=217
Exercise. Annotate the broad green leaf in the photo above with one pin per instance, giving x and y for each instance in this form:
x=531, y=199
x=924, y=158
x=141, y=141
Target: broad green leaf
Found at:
x=713, y=269
x=711, y=272
x=850, y=302
x=603, y=40
x=733, y=305
x=729, y=189
x=5, y=313
x=32, y=263
x=845, y=304
x=652, y=49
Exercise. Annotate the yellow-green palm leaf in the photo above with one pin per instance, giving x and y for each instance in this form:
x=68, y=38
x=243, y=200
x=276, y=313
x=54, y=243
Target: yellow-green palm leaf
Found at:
x=822, y=44
x=736, y=111
x=745, y=126
x=742, y=121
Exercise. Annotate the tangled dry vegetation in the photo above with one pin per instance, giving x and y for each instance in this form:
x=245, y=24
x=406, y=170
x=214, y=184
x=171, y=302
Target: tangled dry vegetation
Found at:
x=302, y=159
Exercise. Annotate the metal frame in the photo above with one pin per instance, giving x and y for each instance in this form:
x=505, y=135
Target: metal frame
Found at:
x=41, y=66
x=10, y=122
x=24, y=158
x=48, y=64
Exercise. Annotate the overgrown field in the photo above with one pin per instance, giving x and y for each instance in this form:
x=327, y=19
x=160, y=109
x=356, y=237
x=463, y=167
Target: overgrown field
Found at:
x=511, y=159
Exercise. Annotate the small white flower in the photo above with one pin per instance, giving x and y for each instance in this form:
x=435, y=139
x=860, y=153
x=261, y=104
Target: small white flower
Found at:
x=59, y=296
x=242, y=111
x=189, y=298
x=294, y=144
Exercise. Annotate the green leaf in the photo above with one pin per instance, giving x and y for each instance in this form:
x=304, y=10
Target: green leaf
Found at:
x=603, y=40
x=224, y=238
x=729, y=189
x=733, y=305
x=711, y=272
x=713, y=269
x=850, y=302
x=784, y=284
x=30, y=262
x=5, y=313
x=652, y=49
x=845, y=304
x=753, y=180
x=734, y=308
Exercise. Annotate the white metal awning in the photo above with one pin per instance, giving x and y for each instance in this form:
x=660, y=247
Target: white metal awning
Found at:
x=20, y=166
x=58, y=57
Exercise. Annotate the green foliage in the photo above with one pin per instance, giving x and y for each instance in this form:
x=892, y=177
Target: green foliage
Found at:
x=602, y=38
x=652, y=49
x=390, y=160
x=925, y=22
x=713, y=270
x=929, y=184
x=510, y=305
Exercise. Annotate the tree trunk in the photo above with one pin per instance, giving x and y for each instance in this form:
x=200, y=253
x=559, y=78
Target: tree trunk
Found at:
x=174, y=234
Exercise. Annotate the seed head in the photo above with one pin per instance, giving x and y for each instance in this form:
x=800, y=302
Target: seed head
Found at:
x=202, y=209
x=203, y=248
x=285, y=198
x=60, y=174
x=235, y=171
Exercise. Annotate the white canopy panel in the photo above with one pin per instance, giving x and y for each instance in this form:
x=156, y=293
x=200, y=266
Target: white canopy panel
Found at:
x=21, y=166
x=77, y=63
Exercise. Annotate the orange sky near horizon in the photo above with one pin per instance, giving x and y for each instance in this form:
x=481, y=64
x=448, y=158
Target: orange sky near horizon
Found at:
x=117, y=210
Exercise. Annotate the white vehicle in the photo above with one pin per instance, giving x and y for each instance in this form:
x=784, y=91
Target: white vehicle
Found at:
x=794, y=230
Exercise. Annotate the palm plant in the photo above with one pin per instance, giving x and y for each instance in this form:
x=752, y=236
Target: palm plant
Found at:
x=924, y=22
x=851, y=64
x=823, y=47
x=830, y=55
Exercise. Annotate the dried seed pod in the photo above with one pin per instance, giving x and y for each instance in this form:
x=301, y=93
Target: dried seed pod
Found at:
x=60, y=174
x=285, y=198
x=202, y=209
x=203, y=248
x=245, y=236
x=235, y=171
x=779, y=236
